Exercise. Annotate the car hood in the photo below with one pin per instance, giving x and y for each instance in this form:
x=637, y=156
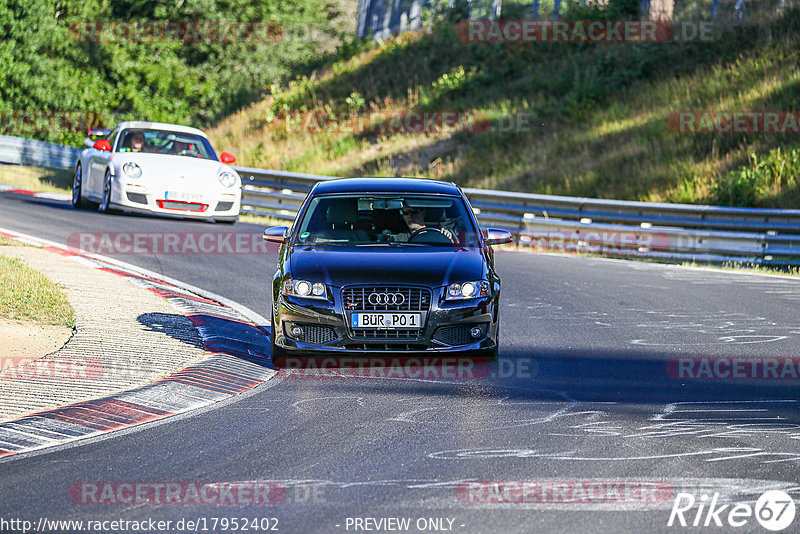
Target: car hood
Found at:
x=429, y=266
x=166, y=166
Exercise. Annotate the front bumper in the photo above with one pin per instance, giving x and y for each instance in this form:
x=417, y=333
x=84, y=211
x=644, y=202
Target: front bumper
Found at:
x=341, y=338
x=136, y=198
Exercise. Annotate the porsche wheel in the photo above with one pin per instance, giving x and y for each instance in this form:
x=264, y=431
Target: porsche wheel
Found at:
x=77, y=185
x=105, y=204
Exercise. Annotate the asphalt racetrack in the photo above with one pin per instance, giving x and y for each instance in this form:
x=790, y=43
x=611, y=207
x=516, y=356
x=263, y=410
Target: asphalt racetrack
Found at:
x=620, y=385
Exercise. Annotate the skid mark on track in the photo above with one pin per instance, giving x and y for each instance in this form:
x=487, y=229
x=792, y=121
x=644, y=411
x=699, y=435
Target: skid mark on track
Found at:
x=708, y=431
x=313, y=405
x=510, y=413
x=707, y=328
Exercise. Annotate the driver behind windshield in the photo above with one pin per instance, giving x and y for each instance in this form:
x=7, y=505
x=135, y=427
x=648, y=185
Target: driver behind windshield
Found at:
x=415, y=220
x=134, y=142
x=137, y=142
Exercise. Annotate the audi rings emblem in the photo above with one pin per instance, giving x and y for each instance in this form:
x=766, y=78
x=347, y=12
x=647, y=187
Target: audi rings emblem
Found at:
x=377, y=299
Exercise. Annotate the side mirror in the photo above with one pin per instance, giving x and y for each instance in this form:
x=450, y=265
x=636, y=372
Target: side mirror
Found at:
x=103, y=145
x=495, y=236
x=227, y=157
x=276, y=234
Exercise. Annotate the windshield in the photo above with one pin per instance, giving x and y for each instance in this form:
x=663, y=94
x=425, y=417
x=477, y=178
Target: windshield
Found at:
x=166, y=142
x=430, y=220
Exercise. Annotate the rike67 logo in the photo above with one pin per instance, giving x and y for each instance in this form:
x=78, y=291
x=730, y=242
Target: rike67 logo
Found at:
x=774, y=510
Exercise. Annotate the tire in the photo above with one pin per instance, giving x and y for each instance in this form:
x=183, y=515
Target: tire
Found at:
x=105, y=203
x=77, y=189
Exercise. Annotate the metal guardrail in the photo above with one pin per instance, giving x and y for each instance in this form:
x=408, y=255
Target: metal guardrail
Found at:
x=543, y=222
x=548, y=222
x=22, y=151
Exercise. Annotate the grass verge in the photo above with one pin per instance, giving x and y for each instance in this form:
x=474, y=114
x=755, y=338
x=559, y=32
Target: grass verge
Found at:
x=749, y=268
x=28, y=295
x=37, y=179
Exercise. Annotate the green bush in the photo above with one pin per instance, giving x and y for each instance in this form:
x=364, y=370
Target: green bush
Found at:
x=756, y=183
x=44, y=67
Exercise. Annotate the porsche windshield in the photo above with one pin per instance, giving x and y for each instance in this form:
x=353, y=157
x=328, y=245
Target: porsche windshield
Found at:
x=431, y=220
x=165, y=142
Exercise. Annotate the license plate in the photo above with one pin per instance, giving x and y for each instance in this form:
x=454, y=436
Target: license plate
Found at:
x=185, y=197
x=386, y=320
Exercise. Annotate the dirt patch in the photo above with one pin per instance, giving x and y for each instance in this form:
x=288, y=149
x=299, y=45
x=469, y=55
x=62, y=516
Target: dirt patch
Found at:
x=25, y=340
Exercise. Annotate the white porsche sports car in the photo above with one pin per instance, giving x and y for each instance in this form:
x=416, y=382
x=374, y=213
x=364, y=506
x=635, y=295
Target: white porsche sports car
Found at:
x=158, y=168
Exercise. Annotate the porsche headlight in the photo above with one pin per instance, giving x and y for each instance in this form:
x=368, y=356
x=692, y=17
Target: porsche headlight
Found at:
x=467, y=290
x=132, y=170
x=227, y=179
x=305, y=289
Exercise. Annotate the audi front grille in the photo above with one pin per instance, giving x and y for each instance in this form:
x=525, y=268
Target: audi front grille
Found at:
x=413, y=298
x=390, y=298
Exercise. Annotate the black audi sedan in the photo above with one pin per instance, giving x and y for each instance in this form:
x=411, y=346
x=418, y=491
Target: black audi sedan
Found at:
x=377, y=265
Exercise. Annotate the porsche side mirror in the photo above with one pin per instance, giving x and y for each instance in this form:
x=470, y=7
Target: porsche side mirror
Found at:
x=495, y=236
x=276, y=234
x=103, y=145
x=227, y=157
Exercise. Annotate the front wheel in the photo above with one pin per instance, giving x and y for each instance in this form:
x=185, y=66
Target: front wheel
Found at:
x=105, y=204
x=77, y=186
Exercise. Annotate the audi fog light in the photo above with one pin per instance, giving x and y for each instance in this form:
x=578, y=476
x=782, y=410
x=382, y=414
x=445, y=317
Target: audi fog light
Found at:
x=296, y=331
x=476, y=332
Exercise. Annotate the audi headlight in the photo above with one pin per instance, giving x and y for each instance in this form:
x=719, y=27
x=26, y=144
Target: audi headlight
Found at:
x=227, y=179
x=467, y=290
x=305, y=289
x=132, y=170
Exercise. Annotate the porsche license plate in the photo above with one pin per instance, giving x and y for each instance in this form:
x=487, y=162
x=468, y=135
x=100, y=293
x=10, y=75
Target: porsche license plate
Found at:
x=386, y=320
x=183, y=197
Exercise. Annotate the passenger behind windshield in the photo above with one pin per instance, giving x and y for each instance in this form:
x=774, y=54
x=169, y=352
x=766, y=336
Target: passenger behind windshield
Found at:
x=414, y=220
